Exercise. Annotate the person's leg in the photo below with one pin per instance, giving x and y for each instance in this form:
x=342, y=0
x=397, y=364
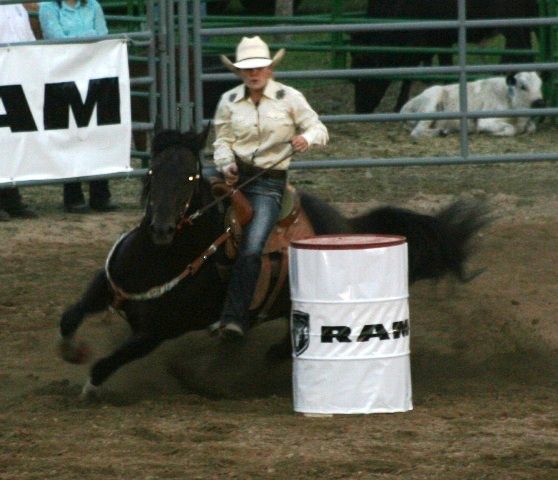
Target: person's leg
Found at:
x=12, y=203
x=74, y=201
x=99, y=196
x=4, y=216
x=265, y=199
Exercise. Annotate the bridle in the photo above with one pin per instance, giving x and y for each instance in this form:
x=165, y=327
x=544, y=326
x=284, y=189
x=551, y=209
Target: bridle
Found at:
x=183, y=219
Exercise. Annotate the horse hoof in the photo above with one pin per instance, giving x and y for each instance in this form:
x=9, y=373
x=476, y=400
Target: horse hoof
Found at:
x=74, y=352
x=89, y=392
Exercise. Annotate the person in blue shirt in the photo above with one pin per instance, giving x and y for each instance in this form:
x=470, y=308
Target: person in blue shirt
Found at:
x=72, y=18
x=67, y=19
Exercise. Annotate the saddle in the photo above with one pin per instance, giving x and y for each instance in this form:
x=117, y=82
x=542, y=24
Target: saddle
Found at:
x=293, y=224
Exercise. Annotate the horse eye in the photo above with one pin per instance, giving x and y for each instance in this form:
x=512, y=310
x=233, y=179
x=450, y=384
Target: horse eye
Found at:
x=523, y=87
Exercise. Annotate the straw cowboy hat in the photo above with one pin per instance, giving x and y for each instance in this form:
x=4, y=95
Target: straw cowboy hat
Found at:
x=252, y=53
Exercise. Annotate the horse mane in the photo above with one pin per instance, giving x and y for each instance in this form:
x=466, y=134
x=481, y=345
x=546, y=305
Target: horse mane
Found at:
x=324, y=218
x=192, y=140
x=168, y=138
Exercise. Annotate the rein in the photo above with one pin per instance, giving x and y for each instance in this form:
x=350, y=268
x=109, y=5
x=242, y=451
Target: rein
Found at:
x=155, y=292
x=230, y=193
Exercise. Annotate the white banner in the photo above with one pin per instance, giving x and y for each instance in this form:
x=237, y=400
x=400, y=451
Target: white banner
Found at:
x=64, y=110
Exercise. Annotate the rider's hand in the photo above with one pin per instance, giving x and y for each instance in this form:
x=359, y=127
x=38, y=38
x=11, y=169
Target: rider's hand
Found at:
x=299, y=144
x=230, y=172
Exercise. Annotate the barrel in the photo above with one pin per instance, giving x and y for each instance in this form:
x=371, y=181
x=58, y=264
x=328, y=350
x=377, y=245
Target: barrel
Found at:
x=350, y=324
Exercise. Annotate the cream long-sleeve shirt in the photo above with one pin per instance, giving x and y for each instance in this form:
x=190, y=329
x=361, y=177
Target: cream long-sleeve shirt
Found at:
x=242, y=127
x=14, y=24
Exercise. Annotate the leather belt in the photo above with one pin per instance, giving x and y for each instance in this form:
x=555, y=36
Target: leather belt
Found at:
x=251, y=170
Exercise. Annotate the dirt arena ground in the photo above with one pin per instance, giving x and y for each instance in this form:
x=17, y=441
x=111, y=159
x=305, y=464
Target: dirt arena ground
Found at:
x=484, y=354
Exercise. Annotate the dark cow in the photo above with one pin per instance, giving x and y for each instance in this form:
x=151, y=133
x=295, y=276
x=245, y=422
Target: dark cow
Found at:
x=369, y=91
x=251, y=7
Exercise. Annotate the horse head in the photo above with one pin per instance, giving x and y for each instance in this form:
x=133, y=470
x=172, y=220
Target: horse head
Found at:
x=172, y=182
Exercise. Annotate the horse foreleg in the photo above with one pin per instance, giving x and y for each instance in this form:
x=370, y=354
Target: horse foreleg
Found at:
x=137, y=346
x=96, y=298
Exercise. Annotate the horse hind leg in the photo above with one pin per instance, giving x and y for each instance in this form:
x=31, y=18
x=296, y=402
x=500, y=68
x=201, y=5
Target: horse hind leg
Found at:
x=137, y=346
x=281, y=350
x=96, y=298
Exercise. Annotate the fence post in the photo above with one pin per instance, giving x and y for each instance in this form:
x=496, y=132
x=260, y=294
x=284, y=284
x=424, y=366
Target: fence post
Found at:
x=462, y=60
x=171, y=49
x=550, y=33
x=185, y=105
x=198, y=67
x=163, y=64
x=338, y=59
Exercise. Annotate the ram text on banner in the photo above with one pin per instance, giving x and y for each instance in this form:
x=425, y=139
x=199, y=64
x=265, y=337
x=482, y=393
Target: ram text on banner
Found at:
x=64, y=110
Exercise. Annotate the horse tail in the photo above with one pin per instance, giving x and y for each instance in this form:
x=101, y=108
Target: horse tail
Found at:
x=438, y=244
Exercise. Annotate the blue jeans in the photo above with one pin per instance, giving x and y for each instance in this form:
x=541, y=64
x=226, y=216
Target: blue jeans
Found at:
x=265, y=196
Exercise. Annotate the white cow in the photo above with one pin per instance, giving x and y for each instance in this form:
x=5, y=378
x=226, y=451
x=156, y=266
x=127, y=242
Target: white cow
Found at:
x=516, y=91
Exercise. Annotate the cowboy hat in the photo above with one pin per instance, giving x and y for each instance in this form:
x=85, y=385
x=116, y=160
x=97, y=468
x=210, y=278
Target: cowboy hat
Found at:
x=252, y=53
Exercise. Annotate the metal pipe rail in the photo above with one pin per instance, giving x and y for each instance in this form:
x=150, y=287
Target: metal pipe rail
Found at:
x=134, y=81
x=142, y=126
x=326, y=47
x=135, y=38
x=378, y=72
x=473, y=114
x=366, y=27
x=410, y=161
x=343, y=163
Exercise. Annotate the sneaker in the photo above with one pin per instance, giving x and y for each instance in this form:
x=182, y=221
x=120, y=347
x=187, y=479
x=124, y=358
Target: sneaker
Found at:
x=104, y=206
x=232, y=331
x=214, y=328
x=4, y=216
x=80, y=207
x=21, y=211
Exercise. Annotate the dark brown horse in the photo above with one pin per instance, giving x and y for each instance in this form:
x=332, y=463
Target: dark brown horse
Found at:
x=165, y=278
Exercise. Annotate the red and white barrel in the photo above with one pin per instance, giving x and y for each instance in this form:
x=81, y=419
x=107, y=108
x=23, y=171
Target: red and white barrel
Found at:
x=350, y=324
